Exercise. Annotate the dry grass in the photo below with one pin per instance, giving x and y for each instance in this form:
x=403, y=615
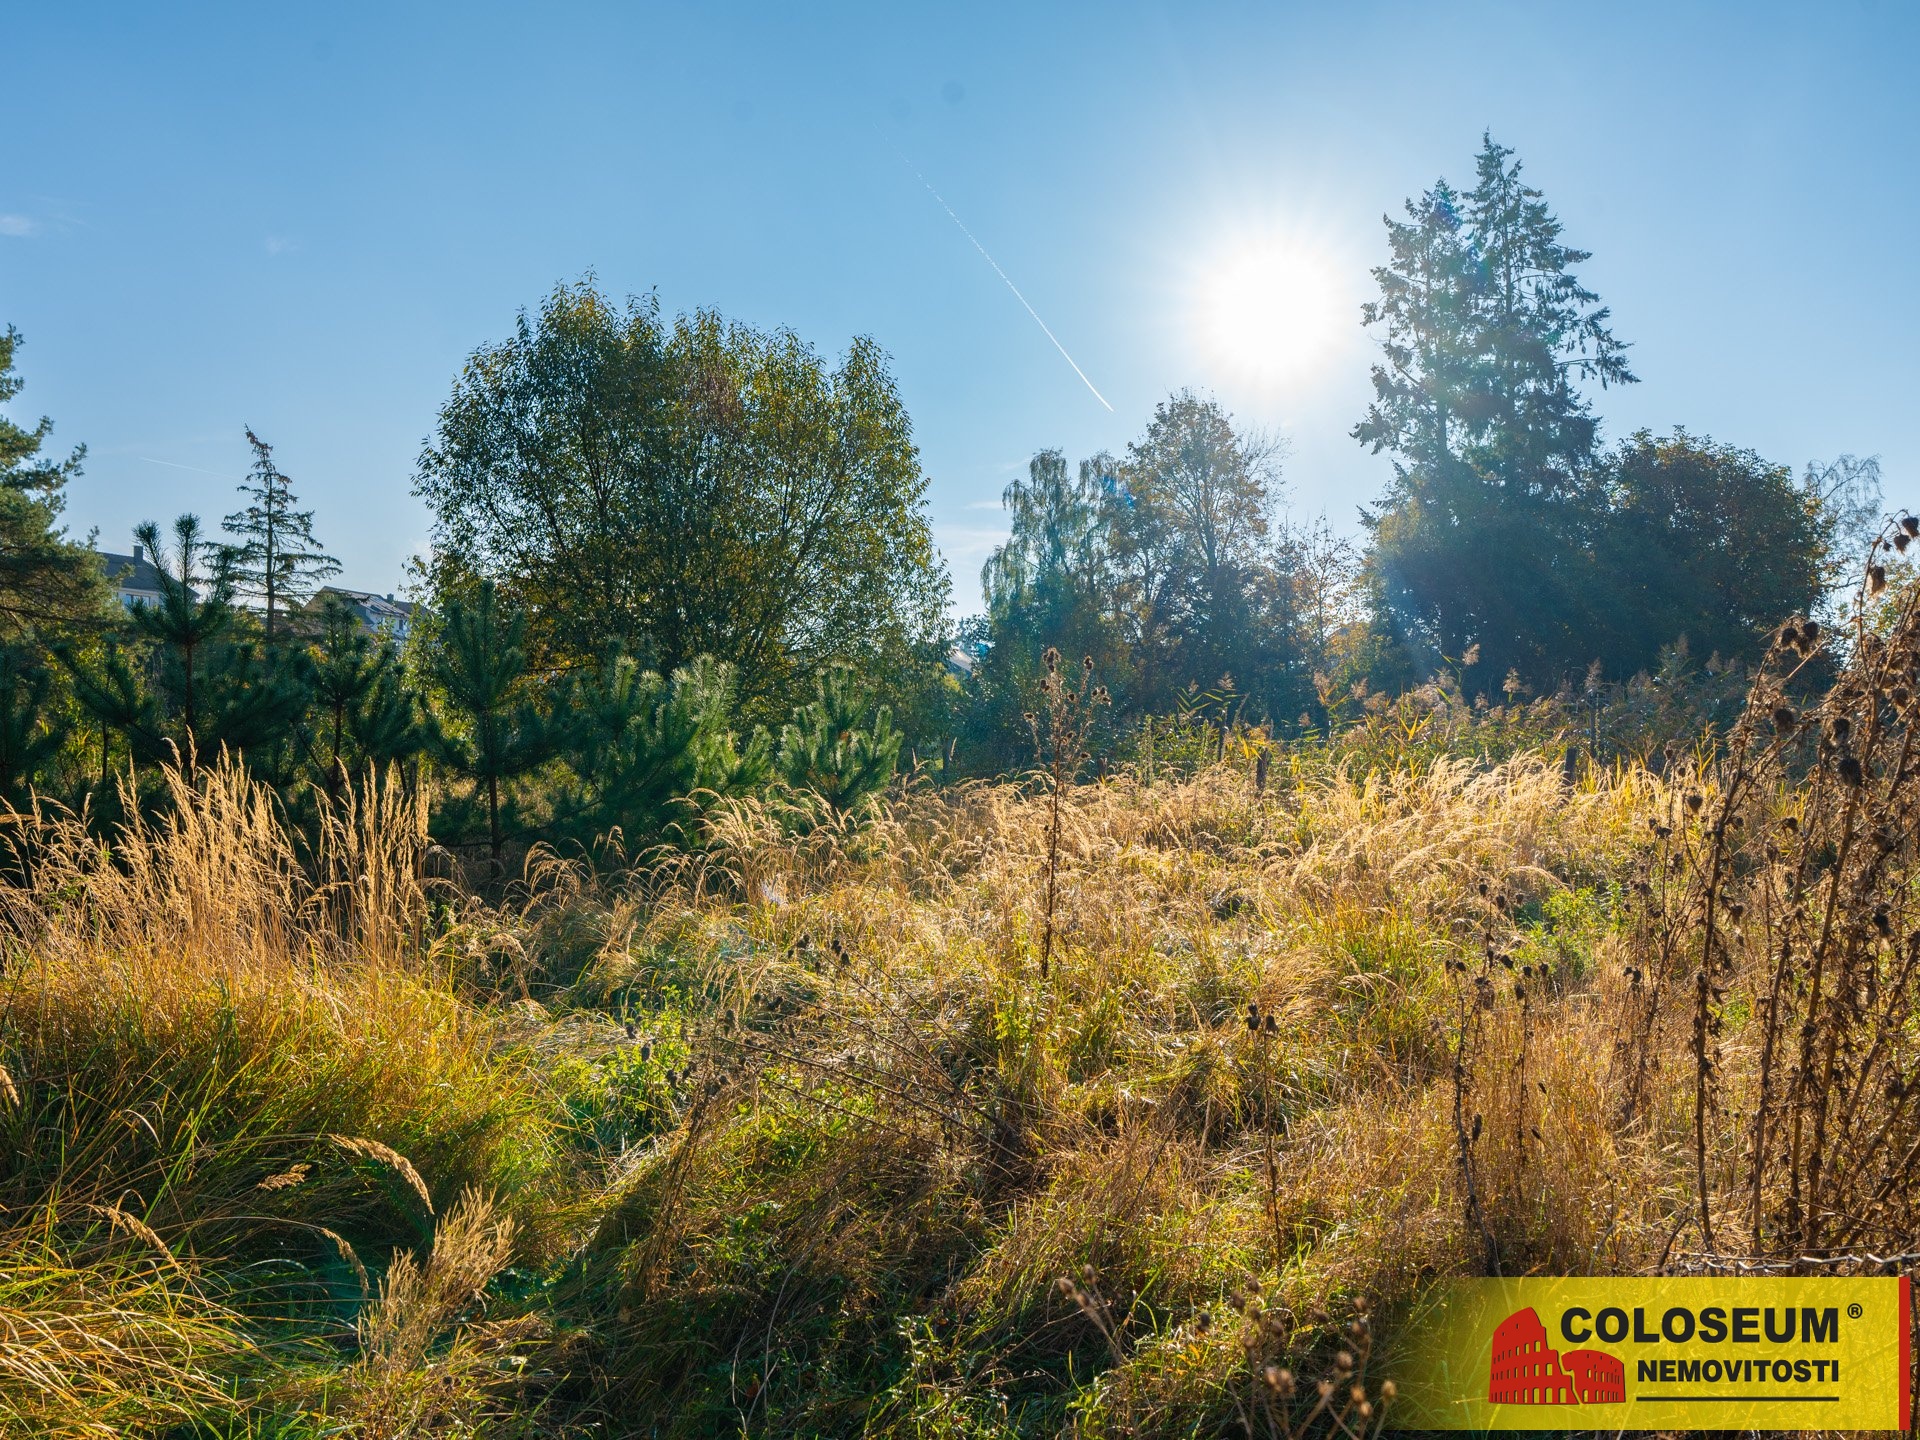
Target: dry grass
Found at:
x=801, y=1135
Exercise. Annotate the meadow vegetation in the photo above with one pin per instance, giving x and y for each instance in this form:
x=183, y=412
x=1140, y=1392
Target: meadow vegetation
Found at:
x=1059, y=1104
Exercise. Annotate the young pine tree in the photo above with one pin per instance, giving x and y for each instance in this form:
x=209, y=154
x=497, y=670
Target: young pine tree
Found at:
x=391, y=725
x=112, y=692
x=46, y=581
x=277, y=561
x=30, y=732
x=480, y=663
x=346, y=667
x=642, y=744
x=366, y=709
x=185, y=621
x=834, y=750
x=254, y=702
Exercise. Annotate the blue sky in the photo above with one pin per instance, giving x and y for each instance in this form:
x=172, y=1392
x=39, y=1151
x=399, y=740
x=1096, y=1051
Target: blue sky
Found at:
x=215, y=217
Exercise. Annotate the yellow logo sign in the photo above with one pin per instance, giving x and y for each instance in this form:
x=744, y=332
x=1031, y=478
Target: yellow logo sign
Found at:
x=1654, y=1354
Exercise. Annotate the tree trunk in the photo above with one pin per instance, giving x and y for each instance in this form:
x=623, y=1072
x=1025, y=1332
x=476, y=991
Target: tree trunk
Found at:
x=191, y=756
x=493, y=824
x=334, y=772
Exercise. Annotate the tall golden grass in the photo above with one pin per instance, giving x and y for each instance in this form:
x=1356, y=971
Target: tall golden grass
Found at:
x=802, y=1134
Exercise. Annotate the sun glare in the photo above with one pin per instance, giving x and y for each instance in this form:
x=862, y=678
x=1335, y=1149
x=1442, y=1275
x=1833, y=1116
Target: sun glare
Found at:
x=1269, y=310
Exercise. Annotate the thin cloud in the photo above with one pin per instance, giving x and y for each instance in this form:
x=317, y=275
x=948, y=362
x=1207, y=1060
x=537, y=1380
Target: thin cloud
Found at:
x=281, y=245
x=18, y=227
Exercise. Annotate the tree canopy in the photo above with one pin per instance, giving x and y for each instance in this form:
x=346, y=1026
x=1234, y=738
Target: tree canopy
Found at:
x=45, y=579
x=1508, y=534
x=1166, y=568
x=691, y=488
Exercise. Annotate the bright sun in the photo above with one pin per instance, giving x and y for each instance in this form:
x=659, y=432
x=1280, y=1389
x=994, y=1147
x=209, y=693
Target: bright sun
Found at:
x=1269, y=310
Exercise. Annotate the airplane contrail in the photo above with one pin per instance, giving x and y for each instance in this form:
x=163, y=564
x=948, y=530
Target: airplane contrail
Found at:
x=176, y=465
x=1003, y=276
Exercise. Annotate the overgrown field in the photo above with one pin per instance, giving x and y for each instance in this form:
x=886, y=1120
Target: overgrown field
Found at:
x=849, y=1131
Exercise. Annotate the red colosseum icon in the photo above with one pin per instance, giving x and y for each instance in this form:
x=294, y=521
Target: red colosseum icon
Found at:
x=1526, y=1372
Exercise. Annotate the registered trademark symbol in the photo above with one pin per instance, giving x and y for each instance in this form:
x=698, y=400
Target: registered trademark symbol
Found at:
x=1853, y=1312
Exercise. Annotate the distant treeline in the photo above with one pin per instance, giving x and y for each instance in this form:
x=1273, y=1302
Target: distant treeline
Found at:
x=689, y=558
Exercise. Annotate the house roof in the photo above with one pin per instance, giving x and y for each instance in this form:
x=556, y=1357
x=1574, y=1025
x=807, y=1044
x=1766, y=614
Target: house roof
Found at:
x=126, y=572
x=372, y=608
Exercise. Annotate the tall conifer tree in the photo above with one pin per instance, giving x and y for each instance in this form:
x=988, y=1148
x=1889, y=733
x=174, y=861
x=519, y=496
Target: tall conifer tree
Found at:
x=278, y=561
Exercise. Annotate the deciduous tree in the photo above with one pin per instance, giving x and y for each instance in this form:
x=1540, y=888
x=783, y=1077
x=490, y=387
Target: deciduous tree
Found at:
x=695, y=488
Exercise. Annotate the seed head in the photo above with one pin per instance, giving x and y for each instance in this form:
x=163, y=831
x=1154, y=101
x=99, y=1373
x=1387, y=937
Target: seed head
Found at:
x=1876, y=579
x=1910, y=524
x=1050, y=657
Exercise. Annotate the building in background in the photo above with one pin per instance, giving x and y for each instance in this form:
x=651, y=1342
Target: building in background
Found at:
x=381, y=614
x=133, y=577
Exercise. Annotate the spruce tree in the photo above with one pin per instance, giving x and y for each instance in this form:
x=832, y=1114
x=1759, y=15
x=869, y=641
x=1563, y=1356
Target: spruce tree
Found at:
x=1483, y=544
x=185, y=620
x=480, y=664
x=278, y=560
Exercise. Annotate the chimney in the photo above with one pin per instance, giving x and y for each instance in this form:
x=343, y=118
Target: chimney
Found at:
x=389, y=597
x=139, y=552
